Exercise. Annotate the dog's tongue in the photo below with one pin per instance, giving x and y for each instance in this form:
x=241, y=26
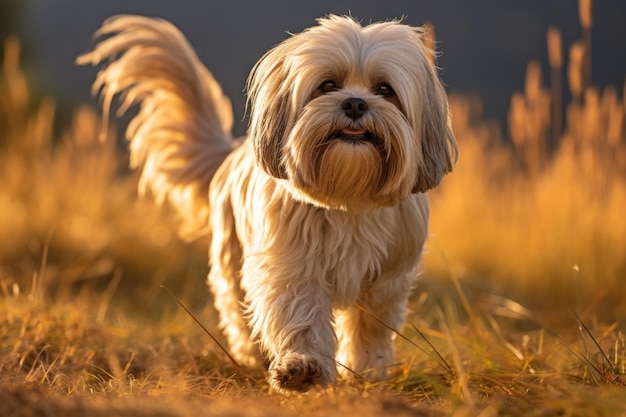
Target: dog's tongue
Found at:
x=353, y=132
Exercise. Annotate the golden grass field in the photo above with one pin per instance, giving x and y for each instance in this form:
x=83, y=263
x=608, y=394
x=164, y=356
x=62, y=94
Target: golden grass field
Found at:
x=520, y=310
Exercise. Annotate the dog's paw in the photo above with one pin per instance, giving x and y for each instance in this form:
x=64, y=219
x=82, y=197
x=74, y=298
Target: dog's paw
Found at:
x=298, y=372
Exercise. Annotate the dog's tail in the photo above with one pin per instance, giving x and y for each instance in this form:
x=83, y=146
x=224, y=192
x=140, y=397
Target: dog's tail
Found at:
x=181, y=133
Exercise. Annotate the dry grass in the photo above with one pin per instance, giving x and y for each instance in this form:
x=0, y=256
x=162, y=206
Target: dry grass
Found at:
x=519, y=311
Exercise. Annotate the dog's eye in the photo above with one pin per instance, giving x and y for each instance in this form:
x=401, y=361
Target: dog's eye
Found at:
x=328, y=86
x=385, y=90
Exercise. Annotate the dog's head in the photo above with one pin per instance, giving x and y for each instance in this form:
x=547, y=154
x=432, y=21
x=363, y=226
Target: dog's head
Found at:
x=351, y=116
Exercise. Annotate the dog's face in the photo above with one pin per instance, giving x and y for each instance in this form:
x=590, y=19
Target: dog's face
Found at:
x=352, y=117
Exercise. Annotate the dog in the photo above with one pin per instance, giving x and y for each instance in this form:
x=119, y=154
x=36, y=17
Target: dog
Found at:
x=318, y=217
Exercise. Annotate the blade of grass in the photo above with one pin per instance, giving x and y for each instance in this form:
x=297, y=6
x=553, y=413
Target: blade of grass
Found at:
x=423, y=336
x=222, y=348
x=595, y=342
x=445, y=364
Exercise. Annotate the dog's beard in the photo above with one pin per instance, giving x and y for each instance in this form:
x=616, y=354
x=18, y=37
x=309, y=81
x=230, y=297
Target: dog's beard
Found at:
x=336, y=162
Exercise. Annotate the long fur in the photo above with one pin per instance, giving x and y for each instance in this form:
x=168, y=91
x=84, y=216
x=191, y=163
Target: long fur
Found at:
x=318, y=210
x=181, y=134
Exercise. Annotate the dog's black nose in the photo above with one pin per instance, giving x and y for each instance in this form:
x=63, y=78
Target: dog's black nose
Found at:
x=354, y=107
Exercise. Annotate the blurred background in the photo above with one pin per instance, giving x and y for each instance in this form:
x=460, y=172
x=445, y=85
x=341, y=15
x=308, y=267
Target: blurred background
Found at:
x=534, y=211
x=485, y=44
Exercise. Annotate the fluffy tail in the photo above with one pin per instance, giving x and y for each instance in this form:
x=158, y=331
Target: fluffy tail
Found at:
x=181, y=134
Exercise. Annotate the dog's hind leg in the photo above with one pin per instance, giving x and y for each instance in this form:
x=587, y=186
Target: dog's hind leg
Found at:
x=224, y=282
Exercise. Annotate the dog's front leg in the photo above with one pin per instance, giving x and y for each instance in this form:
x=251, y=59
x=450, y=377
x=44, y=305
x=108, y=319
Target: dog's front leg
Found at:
x=365, y=342
x=291, y=315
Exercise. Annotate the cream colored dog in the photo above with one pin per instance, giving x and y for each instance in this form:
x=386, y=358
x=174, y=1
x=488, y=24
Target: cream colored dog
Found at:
x=320, y=213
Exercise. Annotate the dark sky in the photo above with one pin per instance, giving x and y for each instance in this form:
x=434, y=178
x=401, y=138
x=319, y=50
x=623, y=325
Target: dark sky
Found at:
x=486, y=44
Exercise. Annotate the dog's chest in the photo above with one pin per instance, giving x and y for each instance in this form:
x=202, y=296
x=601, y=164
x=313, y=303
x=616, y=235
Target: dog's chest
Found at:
x=295, y=244
x=357, y=252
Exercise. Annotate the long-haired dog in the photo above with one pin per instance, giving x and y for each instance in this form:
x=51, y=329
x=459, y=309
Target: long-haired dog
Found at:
x=318, y=217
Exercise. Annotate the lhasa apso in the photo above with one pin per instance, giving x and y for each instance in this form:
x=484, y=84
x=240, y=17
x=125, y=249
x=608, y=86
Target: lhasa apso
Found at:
x=318, y=218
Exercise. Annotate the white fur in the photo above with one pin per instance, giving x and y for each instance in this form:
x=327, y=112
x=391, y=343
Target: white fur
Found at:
x=307, y=221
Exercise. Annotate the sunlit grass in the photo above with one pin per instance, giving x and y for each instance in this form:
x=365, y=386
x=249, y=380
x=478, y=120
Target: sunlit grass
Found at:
x=519, y=310
x=549, y=233
x=69, y=205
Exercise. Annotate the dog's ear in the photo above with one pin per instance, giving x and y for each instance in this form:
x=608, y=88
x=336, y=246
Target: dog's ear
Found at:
x=270, y=111
x=438, y=145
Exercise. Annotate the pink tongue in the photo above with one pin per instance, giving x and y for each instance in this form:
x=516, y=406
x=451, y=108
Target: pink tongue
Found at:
x=347, y=131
